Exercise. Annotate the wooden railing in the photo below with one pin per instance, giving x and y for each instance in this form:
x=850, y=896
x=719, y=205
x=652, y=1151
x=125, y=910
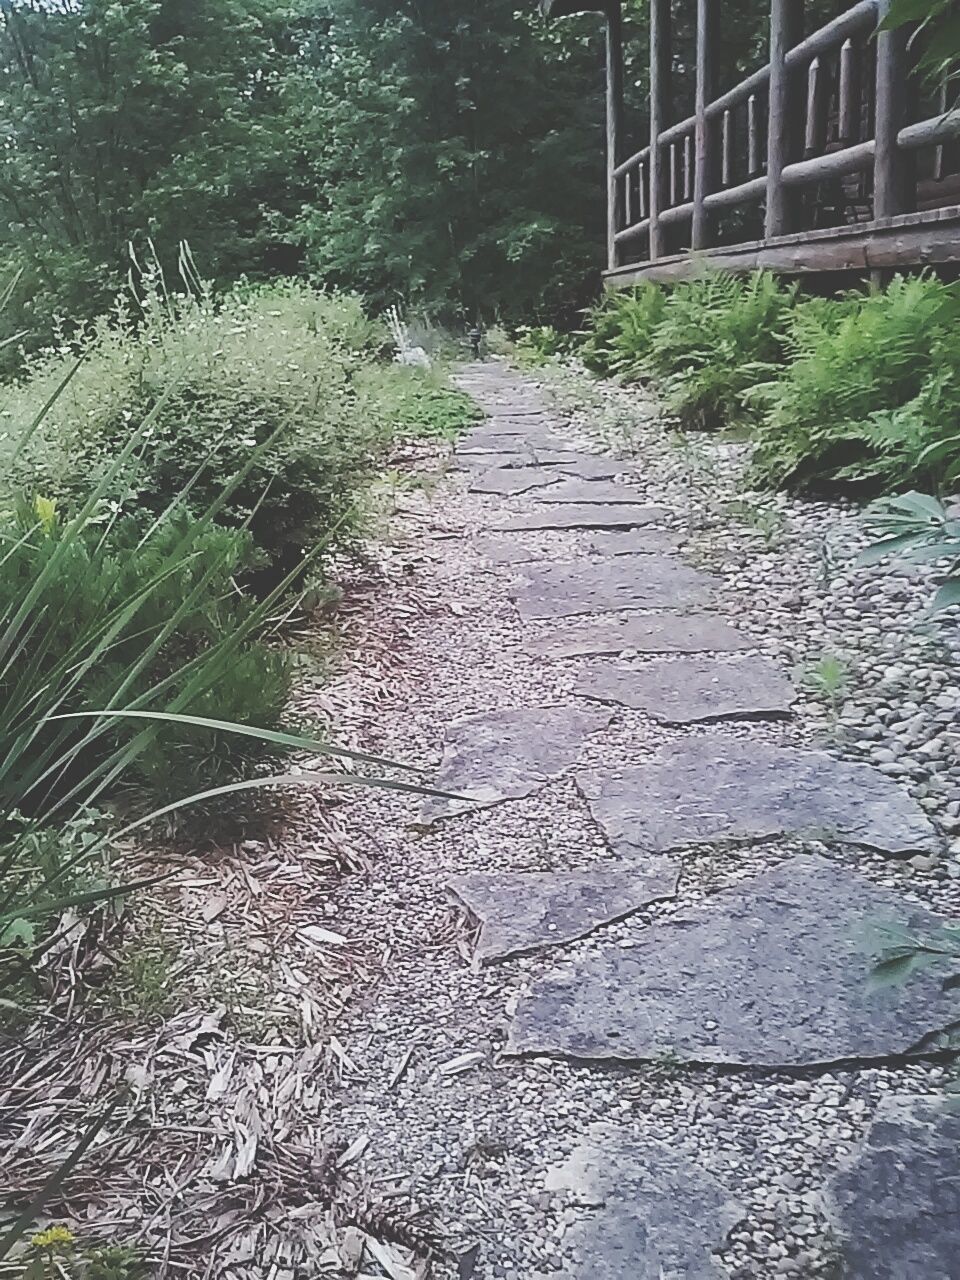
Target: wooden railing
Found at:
x=766, y=139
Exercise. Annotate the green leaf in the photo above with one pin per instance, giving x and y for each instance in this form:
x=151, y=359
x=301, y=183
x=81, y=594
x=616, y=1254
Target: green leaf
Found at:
x=948, y=595
x=19, y=932
x=244, y=730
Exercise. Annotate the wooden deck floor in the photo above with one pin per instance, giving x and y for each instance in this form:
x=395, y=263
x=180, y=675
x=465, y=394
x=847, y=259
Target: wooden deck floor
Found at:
x=930, y=238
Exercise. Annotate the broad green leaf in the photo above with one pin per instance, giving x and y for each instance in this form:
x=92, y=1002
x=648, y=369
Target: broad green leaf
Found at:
x=948, y=595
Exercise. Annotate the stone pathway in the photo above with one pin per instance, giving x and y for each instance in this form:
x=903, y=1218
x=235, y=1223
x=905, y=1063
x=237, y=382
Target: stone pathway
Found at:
x=658, y=1036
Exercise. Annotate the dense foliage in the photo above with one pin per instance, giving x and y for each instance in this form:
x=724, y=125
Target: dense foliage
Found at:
x=870, y=393
x=441, y=154
x=259, y=388
x=862, y=390
x=704, y=342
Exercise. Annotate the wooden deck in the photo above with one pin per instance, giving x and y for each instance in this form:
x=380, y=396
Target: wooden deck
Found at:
x=829, y=152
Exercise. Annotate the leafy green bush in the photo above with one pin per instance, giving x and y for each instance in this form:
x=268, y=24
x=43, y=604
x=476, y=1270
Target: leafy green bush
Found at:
x=715, y=338
x=620, y=331
x=269, y=372
x=536, y=344
x=871, y=395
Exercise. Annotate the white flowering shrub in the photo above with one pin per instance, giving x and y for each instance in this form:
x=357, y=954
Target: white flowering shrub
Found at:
x=274, y=366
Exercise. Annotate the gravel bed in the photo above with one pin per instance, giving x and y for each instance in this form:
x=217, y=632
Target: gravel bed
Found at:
x=471, y=1147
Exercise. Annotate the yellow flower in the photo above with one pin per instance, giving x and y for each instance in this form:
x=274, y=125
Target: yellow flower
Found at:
x=53, y=1238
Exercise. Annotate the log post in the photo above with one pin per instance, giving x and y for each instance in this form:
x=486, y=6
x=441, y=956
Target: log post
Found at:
x=702, y=174
x=786, y=30
x=848, y=128
x=890, y=165
x=615, y=192
x=661, y=61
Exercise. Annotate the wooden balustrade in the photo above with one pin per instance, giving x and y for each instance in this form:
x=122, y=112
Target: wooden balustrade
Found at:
x=801, y=119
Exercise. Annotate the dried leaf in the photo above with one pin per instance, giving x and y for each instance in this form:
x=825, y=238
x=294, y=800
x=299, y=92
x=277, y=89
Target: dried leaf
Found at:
x=457, y=1065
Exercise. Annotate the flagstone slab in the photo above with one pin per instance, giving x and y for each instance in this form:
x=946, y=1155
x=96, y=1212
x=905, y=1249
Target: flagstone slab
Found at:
x=653, y=1212
x=717, y=788
x=643, y=633
x=773, y=974
x=522, y=911
x=590, y=491
x=634, y=542
x=587, y=516
x=511, y=480
x=504, y=442
x=565, y=588
x=894, y=1203
x=508, y=754
x=487, y=459
x=480, y=460
x=505, y=550
x=502, y=550
x=686, y=690
x=592, y=467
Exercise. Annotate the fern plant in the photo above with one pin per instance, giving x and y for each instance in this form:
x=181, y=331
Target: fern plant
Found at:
x=717, y=337
x=620, y=331
x=871, y=395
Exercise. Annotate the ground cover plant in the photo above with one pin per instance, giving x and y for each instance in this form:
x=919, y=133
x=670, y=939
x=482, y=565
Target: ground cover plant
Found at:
x=870, y=394
x=137, y=663
x=705, y=342
x=267, y=373
x=860, y=391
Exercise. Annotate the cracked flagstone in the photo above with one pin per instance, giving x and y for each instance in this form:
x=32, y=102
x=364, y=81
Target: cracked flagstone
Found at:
x=506, y=755
x=773, y=973
x=512, y=480
x=565, y=588
x=522, y=911
x=717, y=788
x=590, y=491
x=685, y=690
x=588, y=516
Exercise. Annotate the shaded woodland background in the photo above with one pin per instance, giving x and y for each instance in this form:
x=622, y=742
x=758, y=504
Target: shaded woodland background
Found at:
x=443, y=154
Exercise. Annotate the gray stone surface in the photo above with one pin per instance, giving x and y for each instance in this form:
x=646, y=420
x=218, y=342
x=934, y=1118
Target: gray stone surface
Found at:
x=645, y=633
x=505, y=755
x=485, y=459
x=685, y=690
x=634, y=542
x=590, y=491
x=510, y=480
x=480, y=460
x=586, y=516
x=775, y=973
x=654, y=1214
x=568, y=587
x=526, y=911
x=507, y=442
x=589, y=466
x=504, y=550
x=717, y=788
x=895, y=1202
